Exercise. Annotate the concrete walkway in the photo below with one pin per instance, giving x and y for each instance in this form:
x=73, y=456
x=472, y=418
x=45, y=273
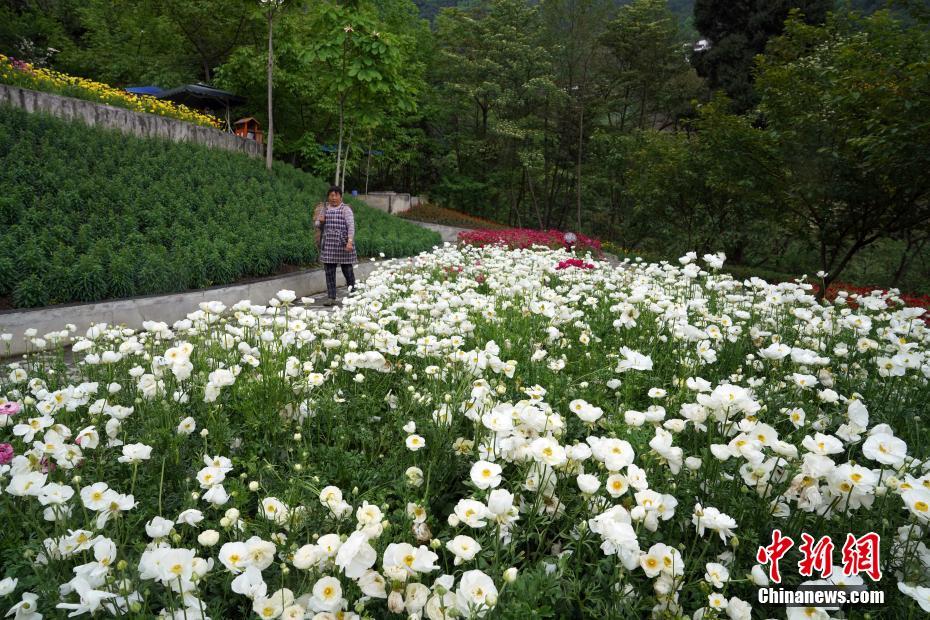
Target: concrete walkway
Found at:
x=133, y=312
x=449, y=233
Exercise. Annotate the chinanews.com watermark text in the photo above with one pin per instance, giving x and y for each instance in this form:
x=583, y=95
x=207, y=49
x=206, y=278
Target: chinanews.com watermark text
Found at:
x=825, y=597
x=837, y=586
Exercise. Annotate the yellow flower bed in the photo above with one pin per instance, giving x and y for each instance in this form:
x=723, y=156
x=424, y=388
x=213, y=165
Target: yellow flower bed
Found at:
x=18, y=73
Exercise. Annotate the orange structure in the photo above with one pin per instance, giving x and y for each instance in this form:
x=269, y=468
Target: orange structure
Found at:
x=249, y=129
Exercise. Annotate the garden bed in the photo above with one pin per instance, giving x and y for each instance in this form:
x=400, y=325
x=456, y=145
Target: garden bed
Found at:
x=480, y=432
x=18, y=73
x=434, y=214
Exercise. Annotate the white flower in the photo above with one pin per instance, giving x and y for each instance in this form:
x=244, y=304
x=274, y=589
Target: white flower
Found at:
x=187, y=426
x=135, y=453
x=30, y=483
x=356, y=556
x=273, y=606
x=885, y=448
x=208, y=538
x=274, y=510
x=191, y=517
x=7, y=585
x=372, y=584
x=327, y=595
x=464, y=547
x=471, y=512
x=713, y=519
x=918, y=502
x=920, y=594
x=633, y=360
x=250, y=584
x=158, y=527
x=588, y=484
x=476, y=593
x=485, y=474
x=234, y=556
x=585, y=411
x=716, y=574
x=414, y=476
x=415, y=442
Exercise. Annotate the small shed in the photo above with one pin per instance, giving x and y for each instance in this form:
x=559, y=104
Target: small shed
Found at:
x=203, y=97
x=250, y=129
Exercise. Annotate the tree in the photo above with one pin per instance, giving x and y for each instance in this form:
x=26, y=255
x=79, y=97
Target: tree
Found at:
x=578, y=26
x=738, y=30
x=847, y=105
x=309, y=82
x=491, y=105
x=651, y=82
x=165, y=42
x=359, y=64
x=270, y=7
x=701, y=189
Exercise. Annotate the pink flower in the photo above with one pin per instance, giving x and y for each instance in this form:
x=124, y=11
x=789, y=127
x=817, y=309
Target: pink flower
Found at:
x=574, y=262
x=10, y=408
x=6, y=453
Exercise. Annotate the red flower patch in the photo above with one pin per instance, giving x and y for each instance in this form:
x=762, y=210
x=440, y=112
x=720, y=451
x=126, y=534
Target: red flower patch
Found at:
x=523, y=238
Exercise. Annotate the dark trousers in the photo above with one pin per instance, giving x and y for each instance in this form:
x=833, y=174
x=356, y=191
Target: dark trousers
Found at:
x=347, y=272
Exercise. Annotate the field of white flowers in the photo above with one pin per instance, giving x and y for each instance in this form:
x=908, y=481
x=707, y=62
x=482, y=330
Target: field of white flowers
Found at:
x=475, y=433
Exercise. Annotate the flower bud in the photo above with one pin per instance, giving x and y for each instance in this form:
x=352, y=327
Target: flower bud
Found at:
x=396, y=602
x=253, y=486
x=510, y=575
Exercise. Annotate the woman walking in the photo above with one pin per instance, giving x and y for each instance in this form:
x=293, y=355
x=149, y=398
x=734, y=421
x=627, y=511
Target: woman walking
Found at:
x=337, y=243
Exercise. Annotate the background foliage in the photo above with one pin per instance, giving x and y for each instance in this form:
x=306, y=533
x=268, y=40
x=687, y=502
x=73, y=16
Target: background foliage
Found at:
x=600, y=116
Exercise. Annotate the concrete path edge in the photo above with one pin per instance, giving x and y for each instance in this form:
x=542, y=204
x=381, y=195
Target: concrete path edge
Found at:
x=133, y=311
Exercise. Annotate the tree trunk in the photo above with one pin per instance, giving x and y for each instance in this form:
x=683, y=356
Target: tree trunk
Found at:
x=368, y=168
x=339, y=147
x=270, y=145
x=914, y=247
x=578, y=169
x=529, y=184
x=345, y=162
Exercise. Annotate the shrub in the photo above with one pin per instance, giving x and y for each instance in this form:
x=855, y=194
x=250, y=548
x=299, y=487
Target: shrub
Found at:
x=92, y=214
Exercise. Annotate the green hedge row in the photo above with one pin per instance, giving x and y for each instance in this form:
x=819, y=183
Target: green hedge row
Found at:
x=89, y=214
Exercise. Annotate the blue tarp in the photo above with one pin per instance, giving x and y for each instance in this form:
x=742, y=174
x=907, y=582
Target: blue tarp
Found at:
x=144, y=90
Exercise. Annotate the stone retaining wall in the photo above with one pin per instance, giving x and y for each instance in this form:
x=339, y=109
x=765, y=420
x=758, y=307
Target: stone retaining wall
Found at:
x=134, y=123
x=391, y=202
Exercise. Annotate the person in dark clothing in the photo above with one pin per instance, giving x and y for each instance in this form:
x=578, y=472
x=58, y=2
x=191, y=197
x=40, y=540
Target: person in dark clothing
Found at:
x=337, y=243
